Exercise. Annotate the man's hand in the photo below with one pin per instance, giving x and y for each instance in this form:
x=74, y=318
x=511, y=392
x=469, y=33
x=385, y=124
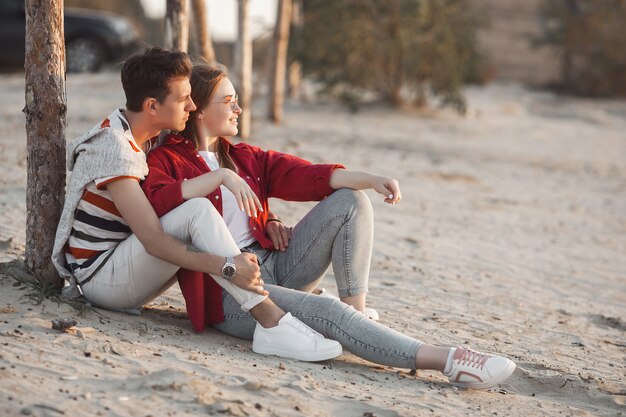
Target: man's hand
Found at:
x=248, y=274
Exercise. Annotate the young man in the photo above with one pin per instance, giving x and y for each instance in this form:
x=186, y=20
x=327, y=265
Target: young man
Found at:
x=111, y=246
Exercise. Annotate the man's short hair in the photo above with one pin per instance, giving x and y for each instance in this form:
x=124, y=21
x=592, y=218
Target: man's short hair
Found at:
x=149, y=74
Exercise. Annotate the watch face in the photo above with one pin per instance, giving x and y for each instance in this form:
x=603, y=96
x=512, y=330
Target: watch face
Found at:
x=228, y=272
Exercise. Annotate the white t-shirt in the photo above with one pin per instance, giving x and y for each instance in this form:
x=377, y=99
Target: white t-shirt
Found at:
x=237, y=221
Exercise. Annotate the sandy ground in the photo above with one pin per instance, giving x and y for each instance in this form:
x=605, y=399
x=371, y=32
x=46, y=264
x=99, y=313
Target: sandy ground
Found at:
x=511, y=237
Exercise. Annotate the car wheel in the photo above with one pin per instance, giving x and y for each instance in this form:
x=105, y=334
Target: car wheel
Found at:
x=84, y=55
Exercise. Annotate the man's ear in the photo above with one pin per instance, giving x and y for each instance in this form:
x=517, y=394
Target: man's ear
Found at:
x=150, y=105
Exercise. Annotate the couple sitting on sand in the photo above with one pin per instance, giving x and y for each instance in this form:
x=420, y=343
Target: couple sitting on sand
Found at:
x=196, y=209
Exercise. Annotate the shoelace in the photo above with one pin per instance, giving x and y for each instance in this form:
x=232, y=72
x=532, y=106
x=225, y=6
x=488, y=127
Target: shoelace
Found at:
x=306, y=329
x=472, y=358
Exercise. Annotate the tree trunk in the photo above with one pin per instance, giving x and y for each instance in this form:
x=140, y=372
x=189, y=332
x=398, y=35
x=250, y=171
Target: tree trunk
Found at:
x=281, y=42
x=242, y=60
x=295, y=68
x=45, y=112
x=204, y=35
x=177, y=25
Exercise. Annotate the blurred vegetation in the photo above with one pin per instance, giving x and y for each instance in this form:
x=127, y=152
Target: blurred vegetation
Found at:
x=398, y=49
x=591, y=37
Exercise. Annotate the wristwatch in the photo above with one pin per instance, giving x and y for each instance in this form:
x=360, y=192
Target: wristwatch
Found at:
x=229, y=269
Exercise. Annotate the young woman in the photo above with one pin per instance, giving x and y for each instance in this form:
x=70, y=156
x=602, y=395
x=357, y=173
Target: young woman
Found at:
x=239, y=179
x=111, y=246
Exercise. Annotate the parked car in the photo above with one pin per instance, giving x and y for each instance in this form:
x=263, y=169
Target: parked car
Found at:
x=91, y=37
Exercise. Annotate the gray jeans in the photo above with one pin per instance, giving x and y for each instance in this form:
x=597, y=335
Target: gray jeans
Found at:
x=338, y=230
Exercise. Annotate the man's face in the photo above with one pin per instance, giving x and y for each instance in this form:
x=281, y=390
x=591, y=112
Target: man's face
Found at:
x=174, y=111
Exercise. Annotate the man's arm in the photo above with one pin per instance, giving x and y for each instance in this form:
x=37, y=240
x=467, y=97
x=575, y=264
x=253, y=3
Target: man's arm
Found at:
x=135, y=208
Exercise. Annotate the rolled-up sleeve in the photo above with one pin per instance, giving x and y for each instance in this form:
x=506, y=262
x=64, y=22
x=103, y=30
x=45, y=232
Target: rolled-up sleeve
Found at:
x=296, y=179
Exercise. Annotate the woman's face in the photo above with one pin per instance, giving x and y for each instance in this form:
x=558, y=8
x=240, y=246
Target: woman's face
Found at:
x=220, y=115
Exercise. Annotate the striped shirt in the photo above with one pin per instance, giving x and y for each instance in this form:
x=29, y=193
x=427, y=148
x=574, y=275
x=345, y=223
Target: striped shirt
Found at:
x=98, y=226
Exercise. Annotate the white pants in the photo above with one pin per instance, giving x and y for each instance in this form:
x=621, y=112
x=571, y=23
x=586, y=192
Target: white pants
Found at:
x=131, y=277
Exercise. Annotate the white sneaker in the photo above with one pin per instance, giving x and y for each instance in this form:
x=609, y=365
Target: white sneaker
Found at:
x=471, y=369
x=370, y=313
x=295, y=340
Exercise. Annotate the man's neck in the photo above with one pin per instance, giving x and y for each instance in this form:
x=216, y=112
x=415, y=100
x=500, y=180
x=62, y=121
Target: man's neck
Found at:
x=141, y=128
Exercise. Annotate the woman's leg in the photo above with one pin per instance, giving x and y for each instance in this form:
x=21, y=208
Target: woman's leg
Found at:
x=369, y=340
x=338, y=230
x=335, y=320
x=131, y=277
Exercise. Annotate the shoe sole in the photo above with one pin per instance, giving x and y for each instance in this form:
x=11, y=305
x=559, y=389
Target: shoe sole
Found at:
x=498, y=379
x=301, y=356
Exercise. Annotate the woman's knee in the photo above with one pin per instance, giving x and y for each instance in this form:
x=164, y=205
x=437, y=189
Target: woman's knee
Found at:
x=353, y=201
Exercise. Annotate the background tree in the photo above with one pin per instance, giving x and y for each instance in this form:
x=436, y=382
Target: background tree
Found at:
x=45, y=112
x=177, y=25
x=281, y=43
x=200, y=18
x=392, y=48
x=242, y=64
x=295, y=67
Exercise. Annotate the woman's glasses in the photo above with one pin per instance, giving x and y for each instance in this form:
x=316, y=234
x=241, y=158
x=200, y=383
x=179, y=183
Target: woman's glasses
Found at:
x=234, y=104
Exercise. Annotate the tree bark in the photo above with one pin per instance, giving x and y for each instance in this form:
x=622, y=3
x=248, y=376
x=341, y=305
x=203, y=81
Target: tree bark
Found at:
x=281, y=42
x=243, y=68
x=177, y=25
x=45, y=112
x=204, y=35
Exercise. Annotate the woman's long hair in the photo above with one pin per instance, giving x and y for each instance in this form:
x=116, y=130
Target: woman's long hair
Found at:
x=204, y=80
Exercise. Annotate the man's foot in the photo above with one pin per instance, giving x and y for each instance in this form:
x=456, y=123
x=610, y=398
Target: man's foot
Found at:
x=295, y=340
x=470, y=369
x=370, y=313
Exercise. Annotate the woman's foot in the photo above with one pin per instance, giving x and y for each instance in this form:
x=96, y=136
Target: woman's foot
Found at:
x=467, y=368
x=295, y=340
x=370, y=313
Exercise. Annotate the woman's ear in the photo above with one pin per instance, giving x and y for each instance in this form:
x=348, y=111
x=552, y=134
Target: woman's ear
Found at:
x=199, y=115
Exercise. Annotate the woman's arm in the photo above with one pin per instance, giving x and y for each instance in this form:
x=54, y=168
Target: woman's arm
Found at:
x=135, y=208
x=205, y=184
x=166, y=189
x=202, y=185
x=356, y=180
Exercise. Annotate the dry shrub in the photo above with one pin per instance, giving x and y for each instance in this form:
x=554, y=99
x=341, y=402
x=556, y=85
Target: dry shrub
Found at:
x=591, y=37
x=394, y=48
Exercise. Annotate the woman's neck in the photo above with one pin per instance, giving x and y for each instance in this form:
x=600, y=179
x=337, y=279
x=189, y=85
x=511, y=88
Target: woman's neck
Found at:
x=207, y=143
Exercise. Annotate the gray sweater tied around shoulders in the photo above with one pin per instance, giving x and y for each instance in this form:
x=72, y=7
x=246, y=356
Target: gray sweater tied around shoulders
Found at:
x=101, y=152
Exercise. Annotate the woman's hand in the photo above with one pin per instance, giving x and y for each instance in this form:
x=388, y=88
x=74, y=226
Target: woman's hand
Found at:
x=246, y=199
x=387, y=186
x=278, y=233
x=248, y=274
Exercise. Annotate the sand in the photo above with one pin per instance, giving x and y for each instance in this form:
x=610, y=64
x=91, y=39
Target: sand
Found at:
x=511, y=237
